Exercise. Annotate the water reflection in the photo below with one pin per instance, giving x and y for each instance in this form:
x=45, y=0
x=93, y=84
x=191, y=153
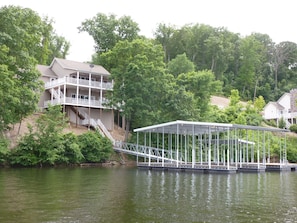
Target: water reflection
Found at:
x=132, y=195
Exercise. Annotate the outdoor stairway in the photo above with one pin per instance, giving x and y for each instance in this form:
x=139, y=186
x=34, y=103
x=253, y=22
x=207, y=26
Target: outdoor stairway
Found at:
x=96, y=124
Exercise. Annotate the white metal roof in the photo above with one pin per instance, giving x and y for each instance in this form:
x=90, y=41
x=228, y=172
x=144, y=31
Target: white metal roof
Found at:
x=197, y=128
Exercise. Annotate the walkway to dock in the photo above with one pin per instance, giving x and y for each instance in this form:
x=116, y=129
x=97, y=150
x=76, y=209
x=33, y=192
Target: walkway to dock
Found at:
x=207, y=147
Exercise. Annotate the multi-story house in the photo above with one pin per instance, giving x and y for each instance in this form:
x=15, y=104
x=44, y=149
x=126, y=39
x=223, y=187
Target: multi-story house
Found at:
x=284, y=108
x=81, y=89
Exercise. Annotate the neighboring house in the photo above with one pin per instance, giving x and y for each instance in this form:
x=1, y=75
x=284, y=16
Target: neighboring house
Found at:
x=284, y=107
x=81, y=89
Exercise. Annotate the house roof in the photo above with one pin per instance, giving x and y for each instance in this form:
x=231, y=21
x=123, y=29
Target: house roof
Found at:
x=83, y=67
x=46, y=71
x=276, y=105
x=285, y=94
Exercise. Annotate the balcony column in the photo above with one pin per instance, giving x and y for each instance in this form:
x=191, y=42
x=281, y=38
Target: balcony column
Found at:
x=101, y=90
x=90, y=83
x=77, y=87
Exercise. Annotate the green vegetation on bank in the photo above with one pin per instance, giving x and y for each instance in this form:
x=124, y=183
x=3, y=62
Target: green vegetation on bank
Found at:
x=169, y=77
x=47, y=145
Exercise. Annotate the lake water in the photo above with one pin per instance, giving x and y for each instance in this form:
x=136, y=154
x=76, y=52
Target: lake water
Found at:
x=132, y=195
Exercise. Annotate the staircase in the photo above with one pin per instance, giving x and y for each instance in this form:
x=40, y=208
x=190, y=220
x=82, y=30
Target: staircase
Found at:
x=96, y=124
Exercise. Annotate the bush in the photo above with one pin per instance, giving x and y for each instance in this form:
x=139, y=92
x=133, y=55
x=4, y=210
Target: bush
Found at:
x=94, y=147
x=3, y=150
x=293, y=128
x=71, y=153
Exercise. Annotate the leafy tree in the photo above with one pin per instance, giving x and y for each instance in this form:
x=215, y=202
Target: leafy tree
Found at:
x=259, y=103
x=108, y=30
x=59, y=47
x=138, y=71
x=281, y=123
x=180, y=64
x=71, y=153
x=24, y=42
x=94, y=147
x=44, y=142
x=163, y=35
x=202, y=84
x=177, y=102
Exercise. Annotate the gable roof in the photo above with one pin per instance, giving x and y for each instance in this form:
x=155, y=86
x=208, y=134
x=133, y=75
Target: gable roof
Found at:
x=276, y=105
x=284, y=95
x=45, y=71
x=83, y=67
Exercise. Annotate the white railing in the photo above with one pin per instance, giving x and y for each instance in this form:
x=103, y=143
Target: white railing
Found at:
x=147, y=151
x=75, y=81
x=97, y=125
x=77, y=102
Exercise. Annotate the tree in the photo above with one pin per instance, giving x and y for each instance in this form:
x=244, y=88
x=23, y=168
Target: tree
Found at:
x=180, y=64
x=163, y=35
x=24, y=42
x=44, y=142
x=202, y=84
x=94, y=147
x=59, y=47
x=108, y=30
x=138, y=71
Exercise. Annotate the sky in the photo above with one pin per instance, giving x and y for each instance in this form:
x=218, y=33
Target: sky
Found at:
x=277, y=18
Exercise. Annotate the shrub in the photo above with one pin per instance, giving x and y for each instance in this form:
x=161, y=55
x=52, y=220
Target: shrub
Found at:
x=293, y=128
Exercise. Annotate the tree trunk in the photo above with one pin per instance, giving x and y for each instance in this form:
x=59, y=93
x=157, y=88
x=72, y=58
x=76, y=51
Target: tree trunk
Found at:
x=127, y=130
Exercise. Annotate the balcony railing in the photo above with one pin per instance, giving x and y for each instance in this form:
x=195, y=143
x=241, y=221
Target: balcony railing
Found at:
x=77, y=102
x=75, y=81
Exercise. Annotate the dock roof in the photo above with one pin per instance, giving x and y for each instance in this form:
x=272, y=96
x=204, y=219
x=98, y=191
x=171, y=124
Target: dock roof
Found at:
x=197, y=128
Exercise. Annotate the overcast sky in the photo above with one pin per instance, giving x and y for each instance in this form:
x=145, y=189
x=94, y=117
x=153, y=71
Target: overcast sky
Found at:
x=277, y=18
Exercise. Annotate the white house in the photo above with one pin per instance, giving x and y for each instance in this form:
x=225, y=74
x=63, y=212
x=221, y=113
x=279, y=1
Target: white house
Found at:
x=81, y=89
x=284, y=108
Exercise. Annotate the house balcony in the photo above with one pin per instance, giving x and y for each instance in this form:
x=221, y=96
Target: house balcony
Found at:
x=79, y=82
x=78, y=102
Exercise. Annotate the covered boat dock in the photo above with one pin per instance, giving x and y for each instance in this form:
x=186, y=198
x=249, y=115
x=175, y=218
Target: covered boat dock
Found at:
x=210, y=147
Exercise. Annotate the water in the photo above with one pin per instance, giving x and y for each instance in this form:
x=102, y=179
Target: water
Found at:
x=131, y=195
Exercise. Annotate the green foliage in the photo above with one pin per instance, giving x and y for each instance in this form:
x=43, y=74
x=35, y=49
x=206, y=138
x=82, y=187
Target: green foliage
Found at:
x=138, y=71
x=3, y=150
x=281, y=123
x=259, y=103
x=293, y=128
x=71, y=153
x=94, y=147
x=25, y=40
x=180, y=64
x=107, y=31
x=43, y=144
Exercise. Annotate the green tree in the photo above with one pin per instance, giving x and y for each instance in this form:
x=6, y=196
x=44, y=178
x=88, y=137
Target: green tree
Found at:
x=108, y=30
x=137, y=68
x=163, y=35
x=24, y=42
x=59, y=47
x=202, y=84
x=180, y=64
x=44, y=142
x=94, y=147
x=71, y=153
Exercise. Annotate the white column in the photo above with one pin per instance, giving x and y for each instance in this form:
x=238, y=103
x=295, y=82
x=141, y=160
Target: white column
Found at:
x=193, y=147
x=163, y=148
x=177, y=142
x=228, y=150
x=209, y=148
x=77, y=88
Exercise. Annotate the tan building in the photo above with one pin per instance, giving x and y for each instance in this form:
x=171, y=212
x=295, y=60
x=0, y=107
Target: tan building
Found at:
x=81, y=89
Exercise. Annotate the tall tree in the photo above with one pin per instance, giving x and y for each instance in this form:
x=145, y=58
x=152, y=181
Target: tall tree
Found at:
x=163, y=35
x=108, y=30
x=22, y=40
x=137, y=68
x=180, y=64
x=202, y=84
